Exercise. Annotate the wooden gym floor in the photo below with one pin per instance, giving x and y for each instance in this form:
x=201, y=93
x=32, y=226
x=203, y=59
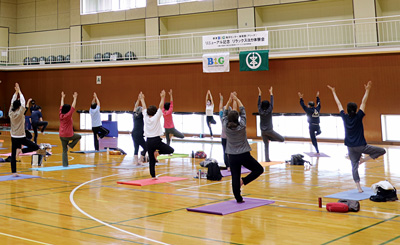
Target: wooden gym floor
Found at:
x=87, y=206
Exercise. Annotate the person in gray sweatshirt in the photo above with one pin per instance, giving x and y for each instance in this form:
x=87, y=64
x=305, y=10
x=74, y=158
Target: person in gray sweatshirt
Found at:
x=267, y=130
x=238, y=148
x=17, y=121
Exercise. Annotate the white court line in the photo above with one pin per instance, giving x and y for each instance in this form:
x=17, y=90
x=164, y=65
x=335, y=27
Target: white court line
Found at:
x=71, y=197
x=25, y=239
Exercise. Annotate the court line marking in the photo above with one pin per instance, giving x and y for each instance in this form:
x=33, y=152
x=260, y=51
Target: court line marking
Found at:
x=25, y=239
x=71, y=198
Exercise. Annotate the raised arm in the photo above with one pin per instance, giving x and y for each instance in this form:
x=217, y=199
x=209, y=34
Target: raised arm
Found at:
x=97, y=99
x=136, y=103
x=162, y=95
x=27, y=103
x=272, y=97
x=62, y=98
x=302, y=101
x=75, y=95
x=211, y=98
x=170, y=95
x=228, y=103
x=365, y=98
x=318, y=107
x=340, y=107
x=259, y=99
x=221, y=102
x=141, y=96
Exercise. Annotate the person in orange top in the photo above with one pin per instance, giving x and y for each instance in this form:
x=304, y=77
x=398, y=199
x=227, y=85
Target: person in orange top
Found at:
x=66, y=127
x=168, y=122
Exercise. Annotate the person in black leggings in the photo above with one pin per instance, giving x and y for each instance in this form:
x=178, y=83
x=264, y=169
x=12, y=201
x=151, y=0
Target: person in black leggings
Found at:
x=17, y=121
x=153, y=132
x=137, y=134
x=209, y=112
x=238, y=148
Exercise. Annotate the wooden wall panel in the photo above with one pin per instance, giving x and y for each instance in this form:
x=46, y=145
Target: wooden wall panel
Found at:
x=120, y=86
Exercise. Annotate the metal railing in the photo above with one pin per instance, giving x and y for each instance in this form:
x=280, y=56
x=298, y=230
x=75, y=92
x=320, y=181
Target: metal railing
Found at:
x=327, y=35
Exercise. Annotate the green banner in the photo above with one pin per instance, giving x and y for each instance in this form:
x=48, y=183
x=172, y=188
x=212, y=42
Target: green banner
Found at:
x=256, y=60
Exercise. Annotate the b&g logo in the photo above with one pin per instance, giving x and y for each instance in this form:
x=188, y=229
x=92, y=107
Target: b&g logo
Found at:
x=216, y=61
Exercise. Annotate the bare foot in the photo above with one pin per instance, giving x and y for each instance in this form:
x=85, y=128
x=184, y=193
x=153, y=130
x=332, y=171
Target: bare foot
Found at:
x=15, y=175
x=241, y=201
x=154, y=178
x=19, y=151
x=229, y=169
x=241, y=182
x=360, y=190
x=156, y=154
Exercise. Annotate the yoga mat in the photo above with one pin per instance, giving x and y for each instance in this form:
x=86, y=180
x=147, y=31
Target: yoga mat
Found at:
x=56, y=168
x=21, y=176
x=231, y=206
x=314, y=154
x=144, y=182
x=225, y=173
x=1, y=148
x=175, y=155
x=22, y=154
x=266, y=164
x=132, y=166
x=93, y=151
x=353, y=194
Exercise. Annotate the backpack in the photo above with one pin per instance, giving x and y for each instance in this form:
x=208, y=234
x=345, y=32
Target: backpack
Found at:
x=383, y=195
x=213, y=172
x=297, y=159
x=354, y=206
x=200, y=154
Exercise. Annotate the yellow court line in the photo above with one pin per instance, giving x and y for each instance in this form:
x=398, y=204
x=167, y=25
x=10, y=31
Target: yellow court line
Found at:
x=25, y=239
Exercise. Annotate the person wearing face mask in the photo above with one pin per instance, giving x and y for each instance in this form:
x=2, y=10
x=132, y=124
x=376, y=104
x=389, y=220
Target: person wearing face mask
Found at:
x=209, y=112
x=312, y=112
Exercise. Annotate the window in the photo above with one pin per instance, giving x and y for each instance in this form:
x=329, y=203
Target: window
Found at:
x=98, y=6
x=390, y=127
x=163, y=2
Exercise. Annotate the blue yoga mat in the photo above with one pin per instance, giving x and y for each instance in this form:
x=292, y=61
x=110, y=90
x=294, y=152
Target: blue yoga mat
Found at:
x=353, y=194
x=56, y=168
x=89, y=151
x=21, y=176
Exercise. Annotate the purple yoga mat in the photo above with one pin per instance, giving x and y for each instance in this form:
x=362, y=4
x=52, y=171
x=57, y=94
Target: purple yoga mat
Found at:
x=225, y=173
x=21, y=176
x=231, y=206
x=314, y=154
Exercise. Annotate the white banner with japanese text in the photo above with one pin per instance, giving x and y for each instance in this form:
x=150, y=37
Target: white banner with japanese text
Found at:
x=216, y=63
x=235, y=40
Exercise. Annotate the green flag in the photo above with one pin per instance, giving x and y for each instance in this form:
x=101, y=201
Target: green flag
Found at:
x=256, y=60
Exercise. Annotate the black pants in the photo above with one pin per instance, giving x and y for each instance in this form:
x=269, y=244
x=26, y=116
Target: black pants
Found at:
x=138, y=140
x=96, y=131
x=210, y=120
x=16, y=143
x=314, y=131
x=35, y=126
x=226, y=161
x=154, y=144
x=236, y=162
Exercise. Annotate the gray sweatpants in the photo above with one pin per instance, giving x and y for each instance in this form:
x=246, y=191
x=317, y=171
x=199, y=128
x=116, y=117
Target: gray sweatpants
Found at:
x=174, y=132
x=267, y=136
x=355, y=155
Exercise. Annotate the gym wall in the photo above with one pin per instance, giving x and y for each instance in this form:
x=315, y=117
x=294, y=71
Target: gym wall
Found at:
x=120, y=86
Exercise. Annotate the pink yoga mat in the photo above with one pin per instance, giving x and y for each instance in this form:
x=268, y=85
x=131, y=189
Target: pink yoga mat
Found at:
x=143, y=182
x=225, y=173
x=231, y=206
x=22, y=154
x=314, y=154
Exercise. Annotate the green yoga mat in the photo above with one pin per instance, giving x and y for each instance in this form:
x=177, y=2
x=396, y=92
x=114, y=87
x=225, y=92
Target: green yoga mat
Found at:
x=175, y=155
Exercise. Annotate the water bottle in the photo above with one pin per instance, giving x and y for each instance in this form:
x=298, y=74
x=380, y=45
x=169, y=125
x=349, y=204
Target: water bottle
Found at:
x=199, y=173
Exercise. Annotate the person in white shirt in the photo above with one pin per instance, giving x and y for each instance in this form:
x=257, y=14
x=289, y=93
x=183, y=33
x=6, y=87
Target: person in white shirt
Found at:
x=94, y=112
x=210, y=111
x=153, y=132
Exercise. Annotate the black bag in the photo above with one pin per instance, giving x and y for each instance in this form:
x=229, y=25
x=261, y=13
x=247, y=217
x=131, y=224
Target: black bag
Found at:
x=383, y=195
x=103, y=132
x=354, y=206
x=297, y=159
x=213, y=172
